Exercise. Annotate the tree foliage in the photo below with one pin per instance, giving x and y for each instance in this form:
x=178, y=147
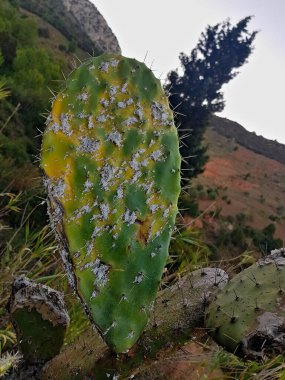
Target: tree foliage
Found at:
x=197, y=92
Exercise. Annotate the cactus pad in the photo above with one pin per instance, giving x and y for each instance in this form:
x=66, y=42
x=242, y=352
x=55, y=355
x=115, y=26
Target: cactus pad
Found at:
x=40, y=319
x=112, y=171
x=248, y=313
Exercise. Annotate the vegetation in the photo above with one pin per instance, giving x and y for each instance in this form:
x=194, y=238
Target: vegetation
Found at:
x=27, y=68
x=196, y=94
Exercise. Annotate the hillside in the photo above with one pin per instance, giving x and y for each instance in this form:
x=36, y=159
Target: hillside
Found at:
x=258, y=144
x=77, y=20
x=240, y=189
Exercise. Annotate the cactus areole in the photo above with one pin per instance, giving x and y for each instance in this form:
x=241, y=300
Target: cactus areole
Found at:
x=111, y=160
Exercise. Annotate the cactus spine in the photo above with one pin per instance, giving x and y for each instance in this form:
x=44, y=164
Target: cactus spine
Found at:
x=112, y=171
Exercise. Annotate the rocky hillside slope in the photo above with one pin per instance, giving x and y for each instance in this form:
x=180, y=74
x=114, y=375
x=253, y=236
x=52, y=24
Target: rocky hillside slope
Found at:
x=258, y=144
x=78, y=20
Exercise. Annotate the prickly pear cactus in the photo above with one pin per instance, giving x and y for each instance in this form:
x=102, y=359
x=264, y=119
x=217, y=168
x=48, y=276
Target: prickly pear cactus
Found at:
x=248, y=313
x=40, y=319
x=111, y=162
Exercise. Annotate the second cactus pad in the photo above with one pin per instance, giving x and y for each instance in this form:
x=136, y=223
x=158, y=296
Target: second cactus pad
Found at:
x=111, y=159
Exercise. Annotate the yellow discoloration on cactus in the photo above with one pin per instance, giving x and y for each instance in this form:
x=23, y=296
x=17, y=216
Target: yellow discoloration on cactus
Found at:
x=110, y=153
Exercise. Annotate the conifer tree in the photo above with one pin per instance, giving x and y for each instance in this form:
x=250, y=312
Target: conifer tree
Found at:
x=197, y=93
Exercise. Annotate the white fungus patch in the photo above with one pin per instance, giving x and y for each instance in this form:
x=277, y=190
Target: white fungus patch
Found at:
x=116, y=138
x=57, y=189
x=88, y=145
x=105, y=103
x=101, y=273
x=96, y=232
x=87, y=186
x=90, y=122
x=153, y=208
x=114, y=62
x=107, y=175
x=136, y=176
x=82, y=115
x=145, y=162
x=113, y=90
x=166, y=212
x=120, y=192
x=124, y=88
x=122, y=104
x=130, y=217
x=130, y=101
x=105, y=210
x=138, y=278
x=130, y=121
x=104, y=67
x=139, y=111
x=65, y=126
x=156, y=155
x=159, y=113
x=83, y=97
x=102, y=118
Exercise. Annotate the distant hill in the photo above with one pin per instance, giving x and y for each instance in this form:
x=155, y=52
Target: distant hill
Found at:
x=77, y=20
x=258, y=144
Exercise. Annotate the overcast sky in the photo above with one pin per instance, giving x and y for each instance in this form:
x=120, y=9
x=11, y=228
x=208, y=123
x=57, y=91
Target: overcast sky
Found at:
x=164, y=28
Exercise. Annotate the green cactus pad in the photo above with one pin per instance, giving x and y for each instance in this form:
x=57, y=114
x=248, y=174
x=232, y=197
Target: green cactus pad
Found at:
x=112, y=170
x=40, y=319
x=248, y=313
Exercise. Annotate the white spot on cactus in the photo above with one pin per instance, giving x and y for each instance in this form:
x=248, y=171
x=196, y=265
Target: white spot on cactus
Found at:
x=139, y=278
x=152, y=142
x=124, y=88
x=144, y=163
x=82, y=115
x=134, y=164
x=156, y=155
x=65, y=126
x=130, y=217
x=139, y=111
x=83, y=97
x=88, y=145
x=120, y=193
x=107, y=175
x=90, y=122
x=114, y=62
x=159, y=112
x=85, y=209
x=96, y=232
x=149, y=199
x=122, y=105
x=136, y=176
x=104, y=67
x=105, y=210
x=130, y=101
x=115, y=236
x=105, y=103
x=89, y=248
x=102, y=118
x=130, y=335
x=87, y=186
x=116, y=138
x=166, y=212
x=101, y=273
x=153, y=254
x=113, y=90
x=55, y=127
x=153, y=208
x=130, y=121
x=58, y=188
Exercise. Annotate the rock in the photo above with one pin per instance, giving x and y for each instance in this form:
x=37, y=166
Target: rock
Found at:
x=40, y=319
